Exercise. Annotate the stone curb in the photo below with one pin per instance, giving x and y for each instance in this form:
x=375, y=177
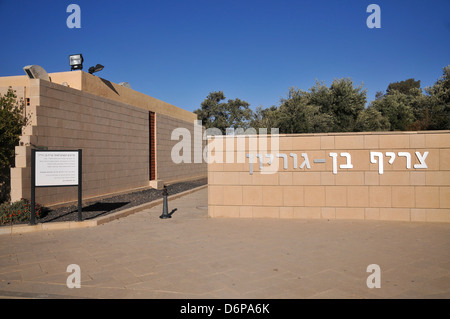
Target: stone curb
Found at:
x=21, y=229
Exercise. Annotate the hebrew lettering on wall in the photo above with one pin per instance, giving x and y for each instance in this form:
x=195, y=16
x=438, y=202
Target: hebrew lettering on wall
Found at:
x=302, y=162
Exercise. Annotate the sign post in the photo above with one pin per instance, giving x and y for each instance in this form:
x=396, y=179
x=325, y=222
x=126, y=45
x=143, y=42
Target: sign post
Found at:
x=57, y=168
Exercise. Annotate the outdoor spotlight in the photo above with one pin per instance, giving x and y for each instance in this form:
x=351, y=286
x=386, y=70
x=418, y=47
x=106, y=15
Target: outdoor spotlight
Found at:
x=96, y=68
x=76, y=62
x=36, y=72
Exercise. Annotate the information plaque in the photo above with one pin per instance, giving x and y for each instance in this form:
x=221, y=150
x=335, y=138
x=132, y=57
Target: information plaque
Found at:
x=55, y=168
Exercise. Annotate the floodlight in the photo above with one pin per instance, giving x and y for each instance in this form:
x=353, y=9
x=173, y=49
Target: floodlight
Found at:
x=96, y=68
x=76, y=62
x=36, y=72
x=125, y=84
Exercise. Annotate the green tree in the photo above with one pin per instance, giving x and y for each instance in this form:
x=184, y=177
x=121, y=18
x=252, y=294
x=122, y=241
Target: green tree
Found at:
x=222, y=115
x=348, y=102
x=12, y=121
x=265, y=118
x=406, y=87
x=298, y=115
x=438, y=108
x=396, y=107
x=371, y=120
x=321, y=109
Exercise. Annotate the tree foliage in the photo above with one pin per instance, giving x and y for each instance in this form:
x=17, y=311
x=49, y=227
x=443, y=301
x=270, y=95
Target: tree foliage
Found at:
x=12, y=121
x=405, y=87
x=222, y=115
x=438, y=106
x=340, y=107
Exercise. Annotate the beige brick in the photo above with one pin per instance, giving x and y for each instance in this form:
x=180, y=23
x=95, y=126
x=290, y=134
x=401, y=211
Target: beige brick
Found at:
x=246, y=212
x=285, y=143
x=230, y=178
x=328, y=212
x=372, y=213
x=308, y=212
x=286, y=212
x=403, y=196
x=444, y=159
x=398, y=214
x=427, y=197
x=245, y=178
x=346, y=142
x=418, y=215
x=417, y=141
x=314, y=195
x=264, y=179
x=327, y=178
x=218, y=177
x=438, y=215
x=235, y=167
x=349, y=213
x=272, y=195
x=226, y=211
x=215, y=167
x=349, y=178
x=232, y=195
x=327, y=142
x=215, y=195
x=417, y=178
x=395, y=178
x=252, y=195
x=437, y=140
x=394, y=141
x=335, y=196
x=266, y=212
x=438, y=178
x=305, y=143
x=358, y=196
x=306, y=178
x=293, y=196
x=371, y=142
x=211, y=178
x=285, y=178
x=23, y=151
x=360, y=160
x=380, y=196
x=371, y=178
x=444, y=196
x=22, y=161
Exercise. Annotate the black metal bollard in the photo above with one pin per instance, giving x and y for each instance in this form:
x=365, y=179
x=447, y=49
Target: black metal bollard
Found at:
x=165, y=213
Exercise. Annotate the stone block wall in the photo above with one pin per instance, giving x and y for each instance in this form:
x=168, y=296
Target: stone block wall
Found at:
x=384, y=176
x=113, y=135
x=167, y=170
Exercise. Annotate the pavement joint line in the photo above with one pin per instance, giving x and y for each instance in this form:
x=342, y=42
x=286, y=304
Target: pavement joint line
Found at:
x=26, y=228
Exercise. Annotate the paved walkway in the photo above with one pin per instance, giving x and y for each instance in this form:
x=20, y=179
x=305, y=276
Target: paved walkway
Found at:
x=193, y=256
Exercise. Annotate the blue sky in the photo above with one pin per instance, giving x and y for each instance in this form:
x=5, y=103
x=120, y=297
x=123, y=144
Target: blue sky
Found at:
x=180, y=51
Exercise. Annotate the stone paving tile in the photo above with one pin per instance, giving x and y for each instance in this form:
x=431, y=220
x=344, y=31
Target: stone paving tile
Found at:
x=193, y=256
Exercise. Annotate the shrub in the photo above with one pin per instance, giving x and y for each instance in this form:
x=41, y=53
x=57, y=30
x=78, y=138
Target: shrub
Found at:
x=12, y=121
x=18, y=212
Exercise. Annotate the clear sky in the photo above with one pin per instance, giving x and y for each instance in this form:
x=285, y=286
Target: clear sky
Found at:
x=181, y=50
